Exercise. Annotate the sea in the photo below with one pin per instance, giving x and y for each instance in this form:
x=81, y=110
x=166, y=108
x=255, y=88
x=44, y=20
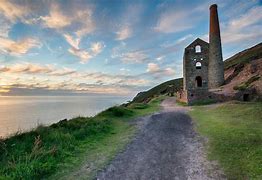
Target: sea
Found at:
x=23, y=113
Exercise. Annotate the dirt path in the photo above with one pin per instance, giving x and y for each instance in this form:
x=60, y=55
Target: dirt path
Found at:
x=166, y=147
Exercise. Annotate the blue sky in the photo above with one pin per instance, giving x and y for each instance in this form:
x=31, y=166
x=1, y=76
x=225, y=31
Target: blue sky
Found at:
x=110, y=46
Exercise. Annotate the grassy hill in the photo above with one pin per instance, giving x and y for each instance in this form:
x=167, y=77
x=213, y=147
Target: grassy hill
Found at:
x=172, y=85
x=245, y=56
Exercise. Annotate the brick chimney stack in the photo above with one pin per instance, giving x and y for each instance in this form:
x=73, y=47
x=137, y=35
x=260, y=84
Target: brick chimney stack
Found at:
x=216, y=64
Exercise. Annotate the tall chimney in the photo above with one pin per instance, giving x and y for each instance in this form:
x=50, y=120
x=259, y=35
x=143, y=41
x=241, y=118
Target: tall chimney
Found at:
x=216, y=64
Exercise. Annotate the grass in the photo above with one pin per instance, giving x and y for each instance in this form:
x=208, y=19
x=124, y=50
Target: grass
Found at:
x=234, y=131
x=57, y=151
x=203, y=102
x=245, y=56
x=171, y=86
x=181, y=103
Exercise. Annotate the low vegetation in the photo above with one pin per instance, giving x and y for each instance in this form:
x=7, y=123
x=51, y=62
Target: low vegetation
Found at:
x=204, y=102
x=170, y=87
x=58, y=150
x=234, y=131
x=245, y=56
x=245, y=85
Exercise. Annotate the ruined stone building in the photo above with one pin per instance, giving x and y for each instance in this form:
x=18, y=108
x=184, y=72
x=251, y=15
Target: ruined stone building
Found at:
x=203, y=68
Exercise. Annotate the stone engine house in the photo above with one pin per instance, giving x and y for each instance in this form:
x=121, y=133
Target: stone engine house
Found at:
x=203, y=68
x=195, y=70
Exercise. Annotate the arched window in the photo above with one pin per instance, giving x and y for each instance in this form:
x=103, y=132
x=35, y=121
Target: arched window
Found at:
x=198, y=81
x=198, y=65
x=198, y=49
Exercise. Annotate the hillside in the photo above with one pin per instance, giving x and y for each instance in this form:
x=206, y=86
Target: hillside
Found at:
x=243, y=72
x=245, y=56
x=168, y=86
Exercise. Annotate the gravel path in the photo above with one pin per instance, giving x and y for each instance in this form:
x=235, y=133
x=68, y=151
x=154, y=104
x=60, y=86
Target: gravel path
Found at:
x=165, y=147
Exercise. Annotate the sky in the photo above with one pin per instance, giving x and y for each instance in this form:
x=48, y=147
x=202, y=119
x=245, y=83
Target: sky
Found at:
x=110, y=47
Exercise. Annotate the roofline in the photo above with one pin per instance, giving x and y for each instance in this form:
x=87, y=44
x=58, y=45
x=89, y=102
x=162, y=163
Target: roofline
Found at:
x=197, y=40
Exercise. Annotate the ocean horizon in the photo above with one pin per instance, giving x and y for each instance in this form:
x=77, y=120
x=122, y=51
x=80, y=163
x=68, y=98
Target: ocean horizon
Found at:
x=24, y=113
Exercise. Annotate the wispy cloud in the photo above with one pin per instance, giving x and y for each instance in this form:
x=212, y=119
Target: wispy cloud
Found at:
x=73, y=42
x=84, y=55
x=97, y=48
x=125, y=32
x=10, y=47
x=173, y=19
x=130, y=17
x=77, y=19
x=152, y=67
x=29, y=68
x=50, y=77
x=56, y=19
x=245, y=28
x=13, y=11
x=134, y=57
x=171, y=22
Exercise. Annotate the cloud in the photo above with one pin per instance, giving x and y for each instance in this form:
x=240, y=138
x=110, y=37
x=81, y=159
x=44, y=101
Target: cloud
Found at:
x=75, y=50
x=245, y=28
x=152, y=67
x=82, y=54
x=174, y=21
x=174, y=46
x=78, y=20
x=124, y=71
x=128, y=21
x=8, y=46
x=134, y=57
x=49, y=77
x=73, y=42
x=5, y=27
x=63, y=72
x=97, y=48
x=56, y=19
x=130, y=57
x=157, y=72
x=124, y=33
x=160, y=58
x=85, y=20
x=13, y=11
x=29, y=68
x=169, y=71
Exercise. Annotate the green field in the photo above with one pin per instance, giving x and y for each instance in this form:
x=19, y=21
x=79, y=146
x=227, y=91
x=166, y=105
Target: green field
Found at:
x=59, y=150
x=234, y=131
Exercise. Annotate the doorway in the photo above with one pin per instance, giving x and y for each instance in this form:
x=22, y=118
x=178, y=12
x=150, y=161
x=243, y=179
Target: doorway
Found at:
x=246, y=97
x=198, y=81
